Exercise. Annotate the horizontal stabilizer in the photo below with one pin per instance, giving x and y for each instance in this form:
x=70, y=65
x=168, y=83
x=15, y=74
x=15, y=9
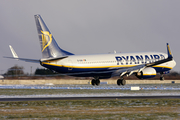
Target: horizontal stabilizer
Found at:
x=24, y=59
x=15, y=56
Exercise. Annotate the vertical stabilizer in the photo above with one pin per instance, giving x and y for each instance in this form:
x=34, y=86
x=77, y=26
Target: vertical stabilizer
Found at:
x=49, y=47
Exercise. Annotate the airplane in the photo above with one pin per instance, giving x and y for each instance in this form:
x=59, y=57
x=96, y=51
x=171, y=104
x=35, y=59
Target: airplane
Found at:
x=99, y=66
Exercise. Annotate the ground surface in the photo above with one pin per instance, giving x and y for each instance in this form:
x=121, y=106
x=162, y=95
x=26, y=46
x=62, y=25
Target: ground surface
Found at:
x=101, y=109
x=134, y=109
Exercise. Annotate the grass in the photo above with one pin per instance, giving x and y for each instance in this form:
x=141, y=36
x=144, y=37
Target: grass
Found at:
x=93, y=109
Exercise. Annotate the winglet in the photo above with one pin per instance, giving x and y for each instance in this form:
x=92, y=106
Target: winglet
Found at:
x=13, y=52
x=169, y=51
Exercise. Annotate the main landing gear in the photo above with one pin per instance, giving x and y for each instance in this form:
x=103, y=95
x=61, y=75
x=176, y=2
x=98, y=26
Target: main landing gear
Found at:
x=161, y=76
x=121, y=81
x=95, y=82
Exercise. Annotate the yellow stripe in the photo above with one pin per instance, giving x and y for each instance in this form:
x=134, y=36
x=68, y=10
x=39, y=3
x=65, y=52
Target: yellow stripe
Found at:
x=98, y=66
x=88, y=66
x=52, y=64
x=149, y=74
x=169, y=50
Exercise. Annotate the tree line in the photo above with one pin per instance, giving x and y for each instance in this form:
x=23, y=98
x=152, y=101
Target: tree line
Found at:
x=19, y=71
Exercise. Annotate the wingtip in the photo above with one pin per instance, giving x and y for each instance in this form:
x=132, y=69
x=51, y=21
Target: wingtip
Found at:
x=169, y=51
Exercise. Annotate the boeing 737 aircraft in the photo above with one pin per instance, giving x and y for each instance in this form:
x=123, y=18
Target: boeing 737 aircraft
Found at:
x=101, y=66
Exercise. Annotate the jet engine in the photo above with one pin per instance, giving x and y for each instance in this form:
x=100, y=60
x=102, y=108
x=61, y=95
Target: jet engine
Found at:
x=146, y=73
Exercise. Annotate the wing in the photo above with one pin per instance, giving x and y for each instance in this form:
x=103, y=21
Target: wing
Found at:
x=129, y=71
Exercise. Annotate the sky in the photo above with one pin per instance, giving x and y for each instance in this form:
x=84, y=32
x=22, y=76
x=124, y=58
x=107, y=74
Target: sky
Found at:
x=89, y=27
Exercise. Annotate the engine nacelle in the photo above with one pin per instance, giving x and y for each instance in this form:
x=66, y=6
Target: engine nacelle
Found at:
x=146, y=73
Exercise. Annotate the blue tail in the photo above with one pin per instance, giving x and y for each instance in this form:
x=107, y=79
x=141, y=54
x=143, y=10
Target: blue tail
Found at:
x=49, y=47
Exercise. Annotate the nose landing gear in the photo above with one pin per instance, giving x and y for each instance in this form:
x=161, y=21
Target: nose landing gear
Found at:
x=161, y=76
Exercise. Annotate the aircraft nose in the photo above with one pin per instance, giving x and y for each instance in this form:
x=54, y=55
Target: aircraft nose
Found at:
x=173, y=63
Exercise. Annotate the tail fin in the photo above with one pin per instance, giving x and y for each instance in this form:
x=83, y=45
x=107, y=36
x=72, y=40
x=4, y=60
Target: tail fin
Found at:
x=49, y=47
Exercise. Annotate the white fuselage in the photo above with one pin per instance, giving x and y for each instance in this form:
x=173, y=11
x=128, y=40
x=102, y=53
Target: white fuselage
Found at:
x=88, y=63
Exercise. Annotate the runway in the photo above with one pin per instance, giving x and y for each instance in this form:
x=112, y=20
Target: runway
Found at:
x=90, y=87
x=89, y=98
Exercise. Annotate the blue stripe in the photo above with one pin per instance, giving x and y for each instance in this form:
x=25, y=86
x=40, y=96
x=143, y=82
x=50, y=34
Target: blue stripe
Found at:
x=161, y=69
x=82, y=72
x=92, y=72
x=148, y=76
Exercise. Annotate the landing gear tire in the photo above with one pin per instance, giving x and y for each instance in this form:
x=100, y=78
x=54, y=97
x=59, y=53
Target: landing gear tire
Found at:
x=161, y=78
x=121, y=82
x=95, y=82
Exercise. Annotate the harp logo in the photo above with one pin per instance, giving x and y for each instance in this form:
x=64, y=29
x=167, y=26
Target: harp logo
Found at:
x=46, y=39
